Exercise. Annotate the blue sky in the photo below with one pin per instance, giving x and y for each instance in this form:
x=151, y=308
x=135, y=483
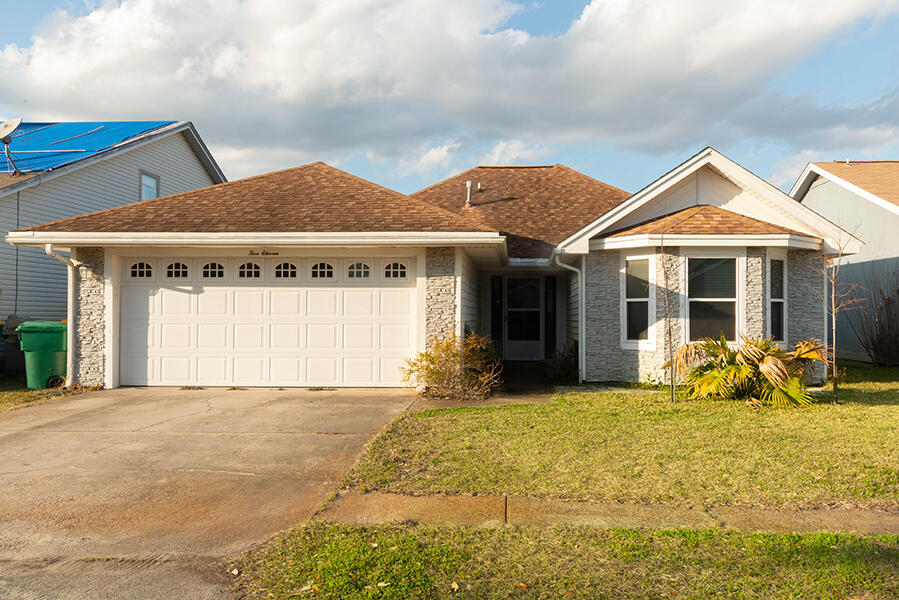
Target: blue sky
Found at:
x=406, y=96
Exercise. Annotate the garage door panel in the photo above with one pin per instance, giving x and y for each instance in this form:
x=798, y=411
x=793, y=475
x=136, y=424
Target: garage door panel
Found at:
x=391, y=373
x=212, y=335
x=213, y=302
x=249, y=336
x=286, y=336
x=137, y=335
x=322, y=303
x=396, y=302
x=359, y=336
x=359, y=303
x=140, y=302
x=176, y=335
x=286, y=302
x=321, y=371
x=358, y=370
x=249, y=303
x=234, y=331
x=213, y=370
x=286, y=370
x=395, y=336
x=176, y=369
x=250, y=369
x=321, y=336
x=175, y=301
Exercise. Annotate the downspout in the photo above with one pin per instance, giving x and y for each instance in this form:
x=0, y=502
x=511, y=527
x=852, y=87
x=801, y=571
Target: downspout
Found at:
x=581, y=312
x=70, y=313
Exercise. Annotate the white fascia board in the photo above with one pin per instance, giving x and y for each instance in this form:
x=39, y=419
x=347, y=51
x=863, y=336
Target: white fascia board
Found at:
x=390, y=238
x=655, y=240
x=577, y=242
x=812, y=170
x=120, y=148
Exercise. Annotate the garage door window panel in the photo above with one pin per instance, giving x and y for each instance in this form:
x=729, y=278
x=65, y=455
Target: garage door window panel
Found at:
x=177, y=270
x=358, y=271
x=395, y=270
x=213, y=270
x=286, y=271
x=141, y=270
x=249, y=270
x=322, y=271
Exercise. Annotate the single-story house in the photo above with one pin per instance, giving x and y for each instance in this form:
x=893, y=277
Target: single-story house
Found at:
x=862, y=197
x=312, y=276
x=59, y=170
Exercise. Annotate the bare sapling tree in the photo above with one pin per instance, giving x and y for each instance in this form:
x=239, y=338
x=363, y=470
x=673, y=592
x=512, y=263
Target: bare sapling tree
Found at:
x=838, y=296
x=669, y=275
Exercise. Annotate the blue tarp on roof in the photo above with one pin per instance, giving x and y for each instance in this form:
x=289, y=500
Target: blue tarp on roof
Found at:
x=45, y=146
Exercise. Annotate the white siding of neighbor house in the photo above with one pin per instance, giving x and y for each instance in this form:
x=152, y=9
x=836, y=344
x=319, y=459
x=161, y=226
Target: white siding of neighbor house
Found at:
x=469, y=309
x=572, y=312
x=105, y=184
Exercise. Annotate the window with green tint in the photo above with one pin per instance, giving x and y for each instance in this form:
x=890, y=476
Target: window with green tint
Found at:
x=637, y=299
x=712, y=302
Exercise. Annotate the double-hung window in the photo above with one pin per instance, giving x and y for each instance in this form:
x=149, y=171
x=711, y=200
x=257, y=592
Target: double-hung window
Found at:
x=637, y=302
x=149, y=186
x=712, y=298
x=777, y=313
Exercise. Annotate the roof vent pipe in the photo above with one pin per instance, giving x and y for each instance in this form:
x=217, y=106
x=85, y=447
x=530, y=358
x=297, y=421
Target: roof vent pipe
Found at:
x=468, y=194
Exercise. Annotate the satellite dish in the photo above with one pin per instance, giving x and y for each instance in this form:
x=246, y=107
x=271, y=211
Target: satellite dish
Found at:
x=7, y=127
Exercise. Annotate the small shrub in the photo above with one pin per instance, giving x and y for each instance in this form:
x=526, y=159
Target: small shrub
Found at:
x=759, y=372
x=465, y=369
x=876, y=325
x=563, y=367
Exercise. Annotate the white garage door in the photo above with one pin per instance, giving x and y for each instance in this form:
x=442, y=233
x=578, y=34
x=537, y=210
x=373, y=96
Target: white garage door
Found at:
x=273, y=321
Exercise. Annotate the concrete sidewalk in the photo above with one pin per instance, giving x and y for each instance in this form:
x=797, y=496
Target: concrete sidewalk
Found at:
x=498, y=511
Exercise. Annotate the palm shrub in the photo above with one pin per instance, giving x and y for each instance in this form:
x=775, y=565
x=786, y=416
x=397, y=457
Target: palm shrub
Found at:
x=454, y=368
x=759, y=372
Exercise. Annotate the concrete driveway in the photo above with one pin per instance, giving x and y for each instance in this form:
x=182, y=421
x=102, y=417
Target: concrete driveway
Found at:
x=140, y=493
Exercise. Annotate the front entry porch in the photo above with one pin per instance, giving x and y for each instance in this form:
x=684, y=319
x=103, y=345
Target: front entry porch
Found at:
x=524, y=317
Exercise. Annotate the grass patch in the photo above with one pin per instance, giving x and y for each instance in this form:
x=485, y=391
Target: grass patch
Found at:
x=642, y=448
x=342, y=561
x=14, y=393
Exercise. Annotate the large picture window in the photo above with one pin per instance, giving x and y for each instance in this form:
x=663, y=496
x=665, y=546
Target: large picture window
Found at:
x=712, y=298
x=777, y=314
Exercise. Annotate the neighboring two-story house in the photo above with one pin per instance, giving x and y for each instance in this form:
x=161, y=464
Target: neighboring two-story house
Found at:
x=862, y=197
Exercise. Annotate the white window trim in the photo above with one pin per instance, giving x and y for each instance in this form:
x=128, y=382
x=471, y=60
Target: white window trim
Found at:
x=650, y=342
x=740, y=256
x=777, y=254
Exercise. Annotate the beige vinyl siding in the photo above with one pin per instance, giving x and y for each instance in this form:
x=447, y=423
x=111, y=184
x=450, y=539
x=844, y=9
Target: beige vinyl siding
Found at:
x=104, y=184
x=469, y=294
x=572, y=313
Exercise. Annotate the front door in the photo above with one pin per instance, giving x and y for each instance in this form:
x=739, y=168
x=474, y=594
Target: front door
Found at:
x=524, y=318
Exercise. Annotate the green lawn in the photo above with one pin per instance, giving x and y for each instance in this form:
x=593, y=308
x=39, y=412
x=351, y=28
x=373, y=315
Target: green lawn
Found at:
x=338, y=561
x=15, y=394
x=640, y=447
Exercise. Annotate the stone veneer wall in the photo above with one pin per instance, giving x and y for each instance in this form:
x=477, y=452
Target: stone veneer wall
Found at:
x=607, y=361
x=440, y=292
x=90, y=327
x=805, y=310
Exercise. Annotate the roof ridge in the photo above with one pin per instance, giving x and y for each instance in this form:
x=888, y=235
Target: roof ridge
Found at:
x=851, y=161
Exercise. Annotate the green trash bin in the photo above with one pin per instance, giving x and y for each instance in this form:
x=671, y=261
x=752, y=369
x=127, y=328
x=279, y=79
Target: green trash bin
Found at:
x=44, y=345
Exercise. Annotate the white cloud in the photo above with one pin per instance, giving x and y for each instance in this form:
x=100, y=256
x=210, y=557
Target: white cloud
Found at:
x=320, y=78
x=511, y=152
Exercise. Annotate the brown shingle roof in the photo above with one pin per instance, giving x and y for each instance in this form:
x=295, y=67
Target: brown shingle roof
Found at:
x=536, y=207
x=314, y=198
x=703, y=220
x=879, y=177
